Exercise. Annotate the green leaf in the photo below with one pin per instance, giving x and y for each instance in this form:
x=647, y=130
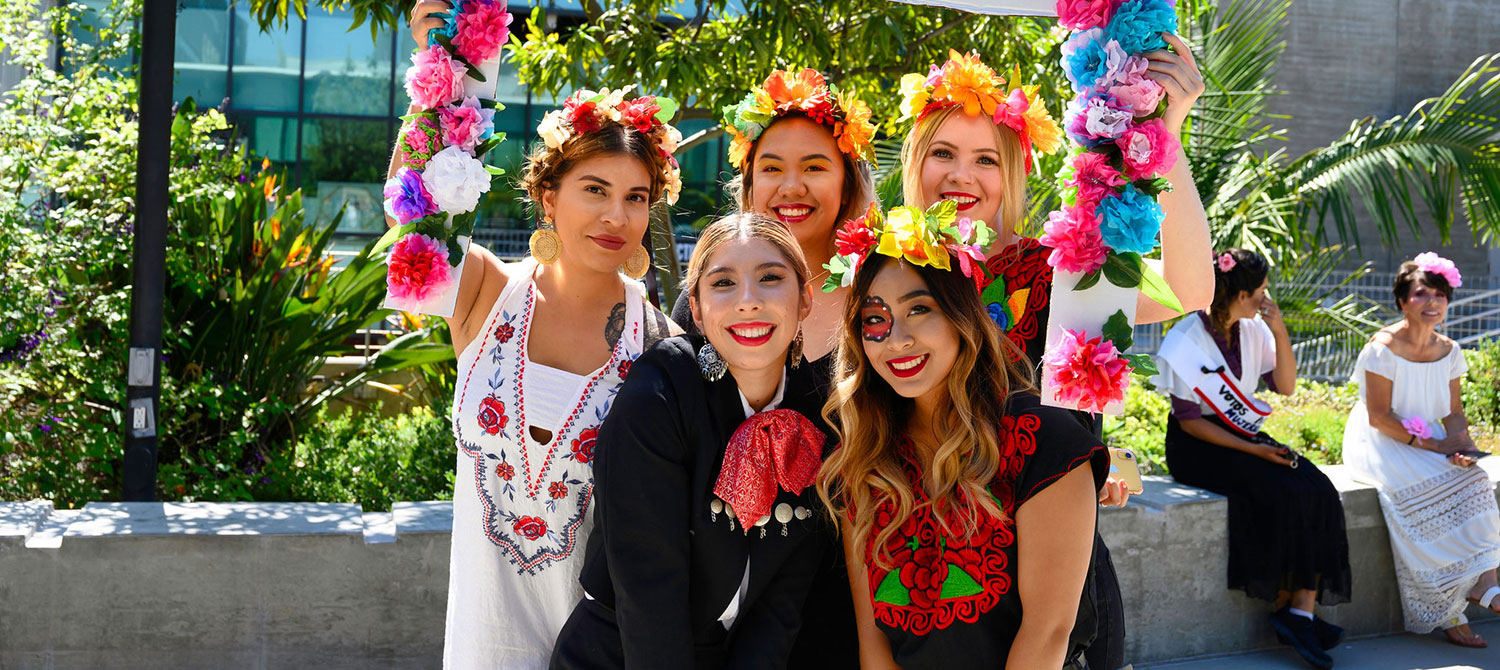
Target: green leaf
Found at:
x=455, y=252
x=1142, y=364
x=1117, y=329
x=1153, y=286
x=392, y=235
x=494, y=170
x=1123, y=270
x=1088, y=280
x=668, y=109
x=485, y=146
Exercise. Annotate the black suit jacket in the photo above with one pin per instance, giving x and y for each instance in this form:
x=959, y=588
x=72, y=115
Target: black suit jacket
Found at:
x=659, y=560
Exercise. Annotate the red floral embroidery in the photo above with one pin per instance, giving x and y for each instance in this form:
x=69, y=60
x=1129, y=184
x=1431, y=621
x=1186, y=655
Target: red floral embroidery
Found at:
x=557, y=490
x=583, y=445
x=504, y=332
x=1023, y=264
x=529, y=527
x=492, y=416
x=625, y=367
x=505, y=471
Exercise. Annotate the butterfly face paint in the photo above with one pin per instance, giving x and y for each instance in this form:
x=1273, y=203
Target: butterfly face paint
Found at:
x=874, y=320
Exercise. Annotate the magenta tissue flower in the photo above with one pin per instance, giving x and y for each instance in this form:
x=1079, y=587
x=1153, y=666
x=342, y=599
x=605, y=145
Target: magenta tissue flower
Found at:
x=434, y=79
x=1428, y=261
x=420, y=141
x=1088, y=374
x=1416, y=426
x=1225, y=262
x=406, y=199
x=466, y=124
x=1085, y=14
x=1149, y=149
x=1094, y=119
x=1093, y=178
x=417, y=270
x=1077, y=245
x=482, y=29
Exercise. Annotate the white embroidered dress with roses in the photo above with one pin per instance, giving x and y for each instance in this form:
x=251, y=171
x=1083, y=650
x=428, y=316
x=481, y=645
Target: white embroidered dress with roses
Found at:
x=521, y=510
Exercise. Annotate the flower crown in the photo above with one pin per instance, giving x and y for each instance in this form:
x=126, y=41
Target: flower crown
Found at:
x=921, y=238
x=1428, y=261
x=786, y=92
x=967, y=82
x=587, y=111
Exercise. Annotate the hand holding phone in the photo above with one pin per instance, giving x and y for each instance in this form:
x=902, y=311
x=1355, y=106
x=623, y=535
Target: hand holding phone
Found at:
x=1123, y=466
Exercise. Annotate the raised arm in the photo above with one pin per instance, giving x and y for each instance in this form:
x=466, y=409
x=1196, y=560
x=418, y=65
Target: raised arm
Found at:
x=1055, y=540
x=1186, y=248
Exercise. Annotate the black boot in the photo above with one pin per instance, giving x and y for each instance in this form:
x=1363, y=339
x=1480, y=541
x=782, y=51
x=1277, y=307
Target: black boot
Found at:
x=1329, y=635
x=1297, y=631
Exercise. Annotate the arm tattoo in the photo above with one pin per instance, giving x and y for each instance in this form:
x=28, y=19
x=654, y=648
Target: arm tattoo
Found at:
x=657, y=327
x=615, y=326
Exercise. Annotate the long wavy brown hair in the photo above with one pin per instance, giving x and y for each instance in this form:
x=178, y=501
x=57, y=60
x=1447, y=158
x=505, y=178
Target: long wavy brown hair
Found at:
x=867, y=469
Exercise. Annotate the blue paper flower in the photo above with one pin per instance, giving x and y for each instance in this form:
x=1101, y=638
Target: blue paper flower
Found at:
x=450, y=24
x=1084, y=59
x=1137, y=25
x=1130, y=221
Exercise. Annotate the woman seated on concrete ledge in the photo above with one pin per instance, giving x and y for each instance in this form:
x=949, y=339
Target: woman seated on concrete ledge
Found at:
x=1286, y=523
x=1408, y=436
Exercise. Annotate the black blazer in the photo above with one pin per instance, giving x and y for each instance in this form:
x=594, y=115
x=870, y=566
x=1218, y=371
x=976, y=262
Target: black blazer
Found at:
x=659, y=562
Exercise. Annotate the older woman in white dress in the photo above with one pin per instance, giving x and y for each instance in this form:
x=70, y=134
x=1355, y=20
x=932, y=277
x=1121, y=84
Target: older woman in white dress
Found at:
x=1408, y=436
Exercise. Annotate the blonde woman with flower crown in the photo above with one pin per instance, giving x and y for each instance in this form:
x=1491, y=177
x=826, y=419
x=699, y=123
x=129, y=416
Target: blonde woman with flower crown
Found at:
x=543, y=346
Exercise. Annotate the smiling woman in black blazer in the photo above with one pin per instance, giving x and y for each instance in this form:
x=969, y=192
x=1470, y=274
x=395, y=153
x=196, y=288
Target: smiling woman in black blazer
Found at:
x=708, y=530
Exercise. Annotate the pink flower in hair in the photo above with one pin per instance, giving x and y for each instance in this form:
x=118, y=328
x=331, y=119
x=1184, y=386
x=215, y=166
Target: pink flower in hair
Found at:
x=1149, y=150
x=1225, y=262
x=483, y=27
x=434, y=79
x=1428, y=261
x=1418, y=427
x=1077, y=245
x=1088, y=374
x=1085, y=14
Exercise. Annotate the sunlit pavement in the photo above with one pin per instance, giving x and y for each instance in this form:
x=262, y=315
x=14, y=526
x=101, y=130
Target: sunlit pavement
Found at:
x=1390, y=652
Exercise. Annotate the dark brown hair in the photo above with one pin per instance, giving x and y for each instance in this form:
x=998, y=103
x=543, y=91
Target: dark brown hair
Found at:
x=1411, y=273
x=859, y=181
x=546, y=167
x=1250, y=269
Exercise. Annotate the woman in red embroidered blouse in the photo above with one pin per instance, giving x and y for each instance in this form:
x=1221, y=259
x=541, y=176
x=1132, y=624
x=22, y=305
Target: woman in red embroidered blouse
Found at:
x=958, y=512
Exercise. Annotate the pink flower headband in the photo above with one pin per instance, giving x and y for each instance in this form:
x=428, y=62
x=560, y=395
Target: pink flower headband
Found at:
x=1430, y=262
x=1225, y=262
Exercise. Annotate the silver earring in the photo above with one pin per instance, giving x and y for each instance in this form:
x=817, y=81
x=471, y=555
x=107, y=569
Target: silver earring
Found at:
x=710, y=364
x=796, y=352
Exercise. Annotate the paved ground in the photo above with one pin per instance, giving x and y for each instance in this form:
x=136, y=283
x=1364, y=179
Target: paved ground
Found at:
x=1391, y=652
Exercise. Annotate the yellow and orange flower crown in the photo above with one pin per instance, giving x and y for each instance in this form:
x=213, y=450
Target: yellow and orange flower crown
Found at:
x=965, y=81
x=805, y=92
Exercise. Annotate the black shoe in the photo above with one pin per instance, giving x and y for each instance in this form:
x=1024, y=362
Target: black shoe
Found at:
x=1297, y=631
x=1329, y=635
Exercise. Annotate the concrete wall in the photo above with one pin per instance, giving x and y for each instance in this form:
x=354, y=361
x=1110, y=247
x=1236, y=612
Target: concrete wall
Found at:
x=147, y=585
x=1348, y=59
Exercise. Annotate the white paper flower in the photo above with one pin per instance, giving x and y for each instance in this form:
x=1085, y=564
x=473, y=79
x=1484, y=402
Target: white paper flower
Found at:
x=456, y=180
x=671, y=140
x=553, y=129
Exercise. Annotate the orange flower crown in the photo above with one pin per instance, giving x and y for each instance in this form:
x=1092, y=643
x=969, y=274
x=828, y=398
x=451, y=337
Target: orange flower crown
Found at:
x=786, y=92
x=965, y=81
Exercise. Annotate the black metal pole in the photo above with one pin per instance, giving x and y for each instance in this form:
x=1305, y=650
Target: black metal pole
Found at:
x=148, y=268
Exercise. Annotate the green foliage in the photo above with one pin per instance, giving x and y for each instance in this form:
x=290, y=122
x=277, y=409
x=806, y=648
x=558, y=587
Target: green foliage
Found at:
x=1481, y=394
x=365, y=458
x=1311, y=421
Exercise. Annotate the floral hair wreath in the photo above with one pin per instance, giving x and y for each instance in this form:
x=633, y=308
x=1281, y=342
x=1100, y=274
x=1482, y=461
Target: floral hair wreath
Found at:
x=586, y=111
x=965, y=81
x=1428, y=261
x=786, y=92
x=918, y=237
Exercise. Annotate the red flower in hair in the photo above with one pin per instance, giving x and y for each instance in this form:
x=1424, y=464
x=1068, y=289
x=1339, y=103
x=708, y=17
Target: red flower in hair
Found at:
x=582, y=116
x=854, y=237
x=640, y=112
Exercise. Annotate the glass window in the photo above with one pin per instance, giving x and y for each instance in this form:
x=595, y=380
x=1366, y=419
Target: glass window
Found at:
x=269, y=137
x=202, y=52
x=344, y=163
x=346, y=73
x=267, y=65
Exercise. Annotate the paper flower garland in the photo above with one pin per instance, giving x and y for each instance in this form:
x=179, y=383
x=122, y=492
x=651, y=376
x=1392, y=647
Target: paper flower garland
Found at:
x=435, y=193
x=936, y=237
x=1091, y=373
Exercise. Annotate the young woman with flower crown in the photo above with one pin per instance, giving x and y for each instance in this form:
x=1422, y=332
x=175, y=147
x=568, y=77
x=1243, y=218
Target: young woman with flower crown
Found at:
x=543, y=346
x=803, y=153
x=968, y=523
x=709, y=534
x=1409, y=437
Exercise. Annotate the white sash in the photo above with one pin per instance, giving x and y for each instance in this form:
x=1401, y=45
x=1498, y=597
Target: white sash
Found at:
x=1192, y=355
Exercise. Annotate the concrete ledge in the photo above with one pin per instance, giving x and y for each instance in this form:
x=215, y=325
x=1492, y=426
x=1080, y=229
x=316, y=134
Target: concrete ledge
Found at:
x=268, y=585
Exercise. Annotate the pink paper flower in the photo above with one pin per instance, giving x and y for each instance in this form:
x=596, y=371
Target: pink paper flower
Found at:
x=466, y=124
x=420, y=141
x=483, y=27
x=1085, y=14
x=1077, y=245
x=1138, y=93
x=417, y=270
x=1088, y=374
x=1225, y=262
x=1093, y=177
x=1418, y=427
x=1428, y=261
x=1149, y=149
x=1094, y=119
x=434, y=79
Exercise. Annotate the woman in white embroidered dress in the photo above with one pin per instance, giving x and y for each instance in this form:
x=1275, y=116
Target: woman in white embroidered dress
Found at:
x=543, y=346
x=1408, y=436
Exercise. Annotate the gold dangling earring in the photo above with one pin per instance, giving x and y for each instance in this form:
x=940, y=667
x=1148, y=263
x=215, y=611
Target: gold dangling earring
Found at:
x=546, y=244
x=638, y=264
x=796, y=352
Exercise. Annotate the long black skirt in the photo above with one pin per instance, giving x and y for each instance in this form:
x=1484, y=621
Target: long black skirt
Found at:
x=1286, y=525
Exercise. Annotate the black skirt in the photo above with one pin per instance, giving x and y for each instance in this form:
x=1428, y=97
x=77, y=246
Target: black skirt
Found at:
x=1286, y=525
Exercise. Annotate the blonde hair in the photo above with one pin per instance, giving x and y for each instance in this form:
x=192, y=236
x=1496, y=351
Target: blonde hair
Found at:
x=868, y=469
x=1012, y=162
x=744, y=226
x=859, y=180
